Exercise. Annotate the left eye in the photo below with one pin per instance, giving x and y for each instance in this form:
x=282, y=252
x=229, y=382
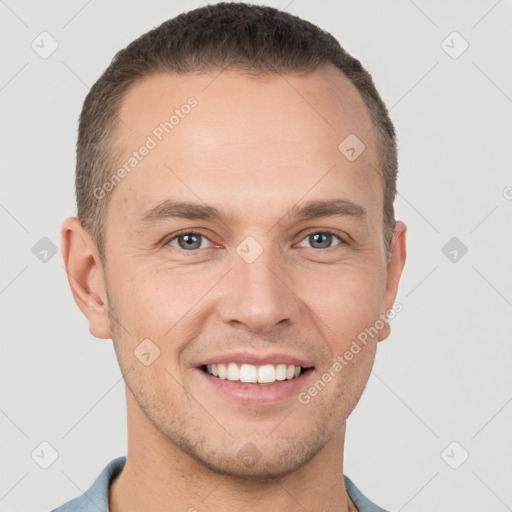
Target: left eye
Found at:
x=322, y=239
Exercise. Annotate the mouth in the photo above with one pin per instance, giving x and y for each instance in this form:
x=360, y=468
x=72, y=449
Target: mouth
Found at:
x=253, y=374
x=248, y=377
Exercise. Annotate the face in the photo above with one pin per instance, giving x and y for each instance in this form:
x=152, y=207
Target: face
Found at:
x=273, y=267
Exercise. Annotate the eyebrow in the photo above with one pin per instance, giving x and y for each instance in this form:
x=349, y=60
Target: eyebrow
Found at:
x=169, y=209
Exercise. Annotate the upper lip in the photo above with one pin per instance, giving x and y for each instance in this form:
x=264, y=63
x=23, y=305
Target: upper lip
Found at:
x=257, y=359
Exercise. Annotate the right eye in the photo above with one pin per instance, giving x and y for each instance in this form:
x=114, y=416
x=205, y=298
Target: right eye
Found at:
x=188, y=241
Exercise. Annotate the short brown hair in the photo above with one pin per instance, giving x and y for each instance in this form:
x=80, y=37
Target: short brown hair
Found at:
x=257, y=38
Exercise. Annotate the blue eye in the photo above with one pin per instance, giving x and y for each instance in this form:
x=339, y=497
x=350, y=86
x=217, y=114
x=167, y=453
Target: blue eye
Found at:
x=188, y=241
x=322, y=239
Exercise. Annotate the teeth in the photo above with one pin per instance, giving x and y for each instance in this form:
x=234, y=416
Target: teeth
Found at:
x=233, y=372
x=265, y=374
x=248, y=373
x=281, y=372
x=223, y=372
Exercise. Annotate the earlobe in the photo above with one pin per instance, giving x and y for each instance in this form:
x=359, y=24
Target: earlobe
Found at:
x=85, y=276
x=395, y=266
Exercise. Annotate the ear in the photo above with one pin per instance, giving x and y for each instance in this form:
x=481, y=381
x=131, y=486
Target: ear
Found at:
x=395, y=266
x=85, y=276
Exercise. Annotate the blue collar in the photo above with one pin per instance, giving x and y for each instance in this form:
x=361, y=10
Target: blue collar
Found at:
x=95, y=499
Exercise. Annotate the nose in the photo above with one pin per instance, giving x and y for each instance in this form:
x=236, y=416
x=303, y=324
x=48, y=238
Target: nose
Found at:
x=258, y=295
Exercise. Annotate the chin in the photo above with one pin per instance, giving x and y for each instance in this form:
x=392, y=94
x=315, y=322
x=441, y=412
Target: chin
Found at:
x=272, y=461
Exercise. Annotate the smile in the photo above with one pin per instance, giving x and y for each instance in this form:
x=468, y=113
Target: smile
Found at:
x=249, y=373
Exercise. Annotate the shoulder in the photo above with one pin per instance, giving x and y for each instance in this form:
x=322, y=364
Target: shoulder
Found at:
x=362, y=503
x=95, y=499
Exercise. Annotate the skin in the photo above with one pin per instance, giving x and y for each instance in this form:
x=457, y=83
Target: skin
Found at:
x=253, y=148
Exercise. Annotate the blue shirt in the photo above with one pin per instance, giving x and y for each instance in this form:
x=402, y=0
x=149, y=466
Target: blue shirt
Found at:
x=95, y=499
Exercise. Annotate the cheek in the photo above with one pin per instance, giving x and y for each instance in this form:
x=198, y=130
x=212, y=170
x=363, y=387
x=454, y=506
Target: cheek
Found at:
x=346, y=301
x=159, y=302
x=163, y=305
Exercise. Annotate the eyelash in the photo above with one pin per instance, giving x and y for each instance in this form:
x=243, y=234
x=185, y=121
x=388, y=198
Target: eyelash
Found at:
x=342, y=240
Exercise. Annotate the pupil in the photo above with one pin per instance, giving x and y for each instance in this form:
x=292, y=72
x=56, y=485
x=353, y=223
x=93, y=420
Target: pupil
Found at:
x=321, y=237
x=191, y=241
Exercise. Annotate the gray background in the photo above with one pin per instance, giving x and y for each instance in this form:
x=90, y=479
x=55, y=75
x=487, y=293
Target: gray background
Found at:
x=444, y=375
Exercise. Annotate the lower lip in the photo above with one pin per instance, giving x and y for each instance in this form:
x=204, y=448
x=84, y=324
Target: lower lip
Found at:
x=254, y=393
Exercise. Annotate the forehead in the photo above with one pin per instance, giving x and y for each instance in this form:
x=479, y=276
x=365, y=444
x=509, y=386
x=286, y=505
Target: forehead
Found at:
x=233, y=139
x=325, y=100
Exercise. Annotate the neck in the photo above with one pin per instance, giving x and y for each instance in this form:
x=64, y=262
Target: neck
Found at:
x=159, y=476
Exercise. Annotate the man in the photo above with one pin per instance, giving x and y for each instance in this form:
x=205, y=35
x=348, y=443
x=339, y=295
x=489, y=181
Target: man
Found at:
x=235, y=237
